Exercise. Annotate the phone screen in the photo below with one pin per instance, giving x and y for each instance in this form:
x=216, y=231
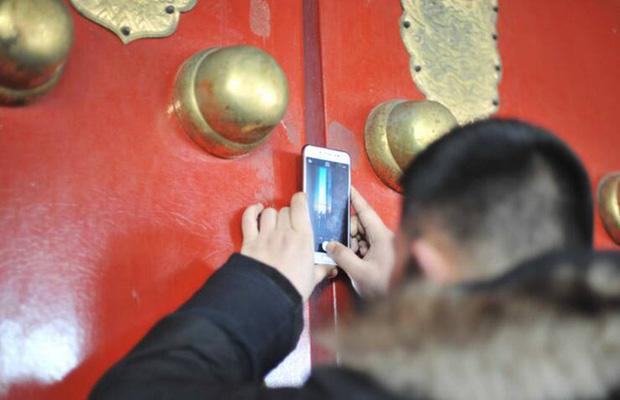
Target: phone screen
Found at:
x=327, y=184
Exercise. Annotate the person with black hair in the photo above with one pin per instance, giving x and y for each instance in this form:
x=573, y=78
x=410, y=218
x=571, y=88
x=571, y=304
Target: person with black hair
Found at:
x=477, y=202
x=501, y=295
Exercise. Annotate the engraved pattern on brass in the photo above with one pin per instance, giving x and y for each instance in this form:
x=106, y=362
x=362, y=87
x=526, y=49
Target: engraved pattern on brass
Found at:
x=609, y=204
x=135, y=19
x=454, y=59
x=35, y=40
x=230, y=99
x=397, y=130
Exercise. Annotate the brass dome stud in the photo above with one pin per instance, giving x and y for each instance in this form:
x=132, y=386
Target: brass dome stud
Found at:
x=35, y=40
x=609, y=204
x=397, y=130
x=230, y=99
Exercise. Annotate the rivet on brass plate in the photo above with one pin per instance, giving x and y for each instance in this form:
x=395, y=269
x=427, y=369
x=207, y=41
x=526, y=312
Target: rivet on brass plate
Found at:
x=229, y=99
x=454, y=59
x=397, y=130
x=35, y=40
x=135, y=19
x=609, y=204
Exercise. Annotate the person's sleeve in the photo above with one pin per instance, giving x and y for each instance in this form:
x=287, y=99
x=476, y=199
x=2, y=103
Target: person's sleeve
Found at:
x=236, y=328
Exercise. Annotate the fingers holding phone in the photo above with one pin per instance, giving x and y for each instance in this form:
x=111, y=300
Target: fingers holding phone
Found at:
x=283, y=239
x=327, y=180
x=370, y=260
x=359, y=244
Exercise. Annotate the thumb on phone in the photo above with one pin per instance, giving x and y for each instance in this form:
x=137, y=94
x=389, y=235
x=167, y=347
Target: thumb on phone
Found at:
x=346, y=259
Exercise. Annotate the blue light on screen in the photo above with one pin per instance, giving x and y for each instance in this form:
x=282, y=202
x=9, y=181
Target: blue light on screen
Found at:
x=328, y=189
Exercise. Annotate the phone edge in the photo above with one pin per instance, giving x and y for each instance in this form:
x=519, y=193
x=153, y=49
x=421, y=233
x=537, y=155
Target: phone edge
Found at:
x=317, y=254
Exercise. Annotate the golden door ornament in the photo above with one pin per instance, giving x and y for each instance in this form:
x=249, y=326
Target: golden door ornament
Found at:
x=35, y=40
x=135, y=19
x=397, y=130
x=230, y=99
x=609, y=204
x=454, y=59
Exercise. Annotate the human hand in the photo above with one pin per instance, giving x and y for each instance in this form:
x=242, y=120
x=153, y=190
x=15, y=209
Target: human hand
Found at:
x=371, y=268
x=284, y=241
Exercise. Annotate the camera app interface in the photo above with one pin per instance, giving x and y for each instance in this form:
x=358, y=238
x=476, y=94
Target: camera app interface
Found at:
x=328, y=195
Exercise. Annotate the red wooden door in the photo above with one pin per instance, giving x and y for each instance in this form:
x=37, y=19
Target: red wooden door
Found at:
x=111, y=216
x=561, y=63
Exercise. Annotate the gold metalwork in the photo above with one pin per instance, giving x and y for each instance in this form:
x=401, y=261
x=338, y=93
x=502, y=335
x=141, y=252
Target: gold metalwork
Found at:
x=397, y=130
x=453, y=53
x=35, y=40
x=230, y=99
x=135, y=19
x=609, y=204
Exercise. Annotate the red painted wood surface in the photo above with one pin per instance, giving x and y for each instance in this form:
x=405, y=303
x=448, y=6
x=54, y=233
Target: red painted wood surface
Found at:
x=561, y=65
x=561, y=70
x=110, y=215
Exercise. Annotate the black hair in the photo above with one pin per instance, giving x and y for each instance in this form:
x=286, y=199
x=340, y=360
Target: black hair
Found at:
x=476, y=168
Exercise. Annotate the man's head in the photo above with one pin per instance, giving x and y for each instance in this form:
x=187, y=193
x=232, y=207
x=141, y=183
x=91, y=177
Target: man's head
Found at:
x=489, y=195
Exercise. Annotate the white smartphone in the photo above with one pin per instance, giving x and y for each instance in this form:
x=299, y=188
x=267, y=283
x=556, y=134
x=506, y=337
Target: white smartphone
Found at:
x=327, y=181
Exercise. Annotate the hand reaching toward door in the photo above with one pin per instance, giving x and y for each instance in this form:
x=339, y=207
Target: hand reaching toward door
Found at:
x=370, y=260
x=283, y=239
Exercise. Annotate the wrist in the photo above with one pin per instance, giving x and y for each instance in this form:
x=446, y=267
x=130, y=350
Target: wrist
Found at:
x=256, y=304
x=277, y=275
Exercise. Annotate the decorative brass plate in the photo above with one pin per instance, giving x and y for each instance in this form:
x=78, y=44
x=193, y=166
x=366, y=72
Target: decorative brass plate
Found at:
x=609, y=204
x=453, y=53
x=135, y=19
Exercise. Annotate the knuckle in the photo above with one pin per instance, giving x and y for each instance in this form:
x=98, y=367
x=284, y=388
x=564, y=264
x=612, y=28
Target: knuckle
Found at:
x=299, y=196
x=248, y=212
x=269, y=213
x=388, y=235
x=294, y=239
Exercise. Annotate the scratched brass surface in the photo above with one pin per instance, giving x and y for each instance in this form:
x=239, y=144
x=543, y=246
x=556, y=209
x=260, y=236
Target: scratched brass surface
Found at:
x=454, y=59
x=397, y=130
x=135, y=19
x=35, y=40
x=230, y=99
x=609, y=204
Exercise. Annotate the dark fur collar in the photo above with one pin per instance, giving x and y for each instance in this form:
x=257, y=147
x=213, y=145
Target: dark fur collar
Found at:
x=548, y=330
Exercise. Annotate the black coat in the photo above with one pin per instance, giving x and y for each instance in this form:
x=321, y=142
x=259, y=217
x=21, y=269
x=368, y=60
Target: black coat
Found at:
x=247, y=317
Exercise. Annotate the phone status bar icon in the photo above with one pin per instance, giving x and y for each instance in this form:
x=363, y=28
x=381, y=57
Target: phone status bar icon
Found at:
x=326, y=163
